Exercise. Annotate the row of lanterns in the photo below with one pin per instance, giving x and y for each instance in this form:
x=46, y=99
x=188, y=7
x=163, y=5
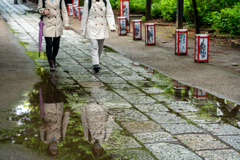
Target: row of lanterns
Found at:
x=201, y=51
x=74, y=10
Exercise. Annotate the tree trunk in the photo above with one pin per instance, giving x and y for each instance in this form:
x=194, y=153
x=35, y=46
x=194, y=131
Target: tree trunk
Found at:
x=196, y=17
x=148, y=10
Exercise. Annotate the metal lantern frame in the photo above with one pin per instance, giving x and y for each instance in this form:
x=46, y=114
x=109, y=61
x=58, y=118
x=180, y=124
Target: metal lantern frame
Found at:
x=178, y=85
x=202, y=95
x=125, y=11
x=147, y=25
x=134, y=29
x=199, y=48
x=179, y=41
x=70, y=6
x=120, y=26
x=75, y=8
x=79, y=12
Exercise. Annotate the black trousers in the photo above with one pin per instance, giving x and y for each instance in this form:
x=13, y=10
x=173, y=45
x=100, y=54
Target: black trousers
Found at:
x=52, y=47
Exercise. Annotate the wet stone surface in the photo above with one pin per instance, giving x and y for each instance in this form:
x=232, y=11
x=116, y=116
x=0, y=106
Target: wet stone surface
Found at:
x=128, y=115
x=219, y=154
x=118, y=141
x=154, y=108
x=142, y=126
x=154, y=137
x=201, y=142
x=130, y=154
x=232, y=140
x=145, y=106
x=171, y=151
x=166, y=117
x=183, y=107
x=201, y=118
x=220, y=129
x=182, y=128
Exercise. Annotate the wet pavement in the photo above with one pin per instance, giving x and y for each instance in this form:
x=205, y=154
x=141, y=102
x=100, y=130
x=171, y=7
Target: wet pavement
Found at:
x=132, y=111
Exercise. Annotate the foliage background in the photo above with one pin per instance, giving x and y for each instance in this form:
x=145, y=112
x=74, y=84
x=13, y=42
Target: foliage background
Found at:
x=221, y=15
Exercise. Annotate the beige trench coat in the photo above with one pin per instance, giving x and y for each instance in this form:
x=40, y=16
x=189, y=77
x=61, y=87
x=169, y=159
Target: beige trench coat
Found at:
x=95, y=22
x=53, y=119
x=53, y=24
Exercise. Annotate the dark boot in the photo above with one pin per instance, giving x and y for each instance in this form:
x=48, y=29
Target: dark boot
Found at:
x=15, y=2
x=55, y=63
x=51, y=65
x=96, y=68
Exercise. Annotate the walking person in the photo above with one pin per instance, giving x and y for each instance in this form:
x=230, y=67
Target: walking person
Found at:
x=97, y=17
x=54, y=17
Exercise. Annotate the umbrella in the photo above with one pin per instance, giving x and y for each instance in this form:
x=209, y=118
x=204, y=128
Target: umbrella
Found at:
x=42, y=114
x=41, y=24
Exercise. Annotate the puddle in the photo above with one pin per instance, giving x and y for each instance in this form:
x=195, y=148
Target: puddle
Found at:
x=28, y=120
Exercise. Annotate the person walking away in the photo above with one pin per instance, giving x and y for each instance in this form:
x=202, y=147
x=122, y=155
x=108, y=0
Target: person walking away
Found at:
x=54, y=18
x=97, y=17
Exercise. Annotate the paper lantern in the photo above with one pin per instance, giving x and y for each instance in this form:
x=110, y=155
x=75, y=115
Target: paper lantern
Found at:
x=201, y=51
x=125, y=11
x=70, y=9
x=137, y=29
x=199, y=94
x=75, y=11
x=150, y=34
x=122, y=26
x=80, y=13
x=181, y=41
x=178, y=85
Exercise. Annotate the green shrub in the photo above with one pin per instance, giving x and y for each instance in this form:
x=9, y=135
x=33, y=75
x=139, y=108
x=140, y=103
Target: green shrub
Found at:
x=143, y=18
x=113, y=4
x=228, y=20
x=168, y=9
x=155, y=11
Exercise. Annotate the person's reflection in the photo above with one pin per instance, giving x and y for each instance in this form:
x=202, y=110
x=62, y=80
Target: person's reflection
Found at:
x=177, y=94
x=97, y=126
x=54, y=125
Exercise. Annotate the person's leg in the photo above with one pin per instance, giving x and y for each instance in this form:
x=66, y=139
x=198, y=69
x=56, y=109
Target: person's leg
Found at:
x=15, y=2
x=100, y=45
x=95, y=56
x=56, y=42
x=49, y=46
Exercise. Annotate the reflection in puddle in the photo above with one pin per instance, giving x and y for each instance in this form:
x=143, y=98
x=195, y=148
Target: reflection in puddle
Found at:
x=77, y=123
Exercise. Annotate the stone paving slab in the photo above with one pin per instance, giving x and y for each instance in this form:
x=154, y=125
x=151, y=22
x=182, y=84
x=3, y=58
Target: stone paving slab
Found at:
x=201, y=141
x=118, y=141
x=182, y=128
x=171, y=152
x=154, y=137
x=234, y=141
x=142, y=126
x=166, y=117
x=153, y=90
x=220, y=129
x=132, y=154
x=91, y=84
x=201, y=118
x=128, y=115
x=227, y=154
x=139, y=99
x=154, y=108
x=183, y=107
x=164, y=98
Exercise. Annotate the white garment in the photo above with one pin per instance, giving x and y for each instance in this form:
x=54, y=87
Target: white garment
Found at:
x=95, y=22
x=96, y=49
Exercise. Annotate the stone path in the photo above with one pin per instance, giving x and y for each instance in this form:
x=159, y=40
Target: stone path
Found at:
x=149, y=122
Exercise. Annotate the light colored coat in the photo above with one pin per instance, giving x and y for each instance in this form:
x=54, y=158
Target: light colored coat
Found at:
x=95, y=22
x=53, y=118
x=53, y=24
